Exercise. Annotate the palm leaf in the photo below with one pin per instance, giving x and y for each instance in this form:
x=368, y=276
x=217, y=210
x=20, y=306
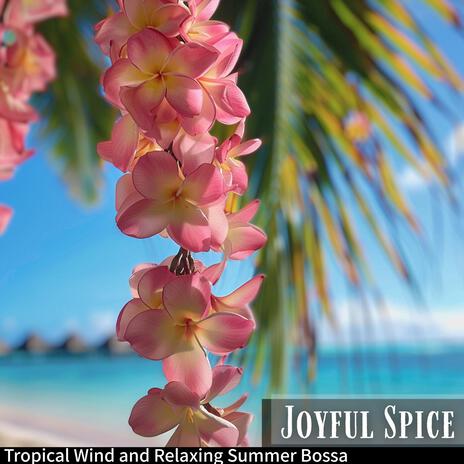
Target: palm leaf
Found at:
x=306, y=67
x=76, y=117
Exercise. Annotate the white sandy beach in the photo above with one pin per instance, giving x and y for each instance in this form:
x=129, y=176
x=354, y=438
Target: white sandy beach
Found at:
x=29, y=428
x=33, y=429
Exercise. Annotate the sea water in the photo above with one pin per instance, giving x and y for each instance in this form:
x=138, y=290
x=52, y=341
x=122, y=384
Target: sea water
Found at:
x=100, y=390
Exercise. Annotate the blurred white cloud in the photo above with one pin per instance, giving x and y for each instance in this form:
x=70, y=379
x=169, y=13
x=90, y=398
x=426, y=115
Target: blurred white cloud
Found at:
x=392, y=324
x=103, y=322
x=455, y=143
x=413, y=181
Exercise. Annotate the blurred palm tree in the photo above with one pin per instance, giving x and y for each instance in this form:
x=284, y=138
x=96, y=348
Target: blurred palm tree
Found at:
x=334, y=86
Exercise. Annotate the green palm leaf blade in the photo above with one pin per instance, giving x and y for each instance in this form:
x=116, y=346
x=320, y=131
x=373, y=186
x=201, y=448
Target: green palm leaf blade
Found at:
x=306, y=67
x=77, y=118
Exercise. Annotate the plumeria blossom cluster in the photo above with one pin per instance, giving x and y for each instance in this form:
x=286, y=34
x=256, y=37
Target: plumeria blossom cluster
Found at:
x=27, y=65
x=172, y=77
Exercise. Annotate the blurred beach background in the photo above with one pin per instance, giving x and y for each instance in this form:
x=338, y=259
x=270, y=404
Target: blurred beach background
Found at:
x=64, y=271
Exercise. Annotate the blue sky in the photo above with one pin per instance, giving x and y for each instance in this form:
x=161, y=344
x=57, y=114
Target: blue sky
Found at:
x=64, y=267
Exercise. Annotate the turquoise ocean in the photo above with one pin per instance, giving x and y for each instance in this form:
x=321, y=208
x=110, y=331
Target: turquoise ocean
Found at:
x=95, y=393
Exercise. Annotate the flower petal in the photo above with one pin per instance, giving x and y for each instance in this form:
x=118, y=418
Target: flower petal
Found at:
x=246, y=148
x=6, y=214
x=154, y=335
x=191, y=368
x=189, y=227
x=185, y=436
x=120, y=150
x=122, y=74
x=191, y=59
x=236, y=405
x=149, y=50
x=126, y=195
x=152, y=416
x=184, y=94
x=144, y=219
x=151, y=286
x=22, y=13
x=187, y=297
x=245, y=294
x=135, y=12
x=205, y=9
x=243, y=241
x=225, y=379
x=230, y=101
x=230, y=47
x=242, y=421
x=130, y=310
x=214, y=272
x=239, y=176
x=246, y=214
x=218, y=224
x=222, y=333
x=178, y=394
x=137, y=273
x=168, y=19
x=204, y=121
x=164, y=125
x=143, y=101
x=192, y=151
x=156, y=176
x=204, y=31
x=113, y=31
x=204, y=186
x=215, y=430
x=14, y=109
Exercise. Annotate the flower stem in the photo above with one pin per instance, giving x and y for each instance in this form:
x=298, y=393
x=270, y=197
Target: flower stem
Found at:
x=182, y=263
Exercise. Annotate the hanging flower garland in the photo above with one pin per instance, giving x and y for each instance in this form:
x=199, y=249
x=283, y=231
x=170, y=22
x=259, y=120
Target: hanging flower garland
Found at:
x=172, y=78
x=27, y=65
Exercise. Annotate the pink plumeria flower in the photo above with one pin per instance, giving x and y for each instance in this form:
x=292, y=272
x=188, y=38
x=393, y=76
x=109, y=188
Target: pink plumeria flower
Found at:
x=222, y=99
x=165, y=126
x=211, y=273
x=157, y=196
x=243, y=239
x=137, y=273
x=225, y=378
x=157, y=70
x=127, y=145
x=182, y=329
x=239, y=300
x=166, y=16
x=147, y=285
x=6, y=214
x=221, y=83
x=198, y=423
x=176, y=406
x=199, y=27
x=12, y=147
x=227, y=156
x=193, y=151
x=29, y=64
x=357, y=127
x=14, y=108
x=22, y=13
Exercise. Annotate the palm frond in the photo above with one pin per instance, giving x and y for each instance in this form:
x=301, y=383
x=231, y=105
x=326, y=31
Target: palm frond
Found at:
x=76, y=117
x=307, y=67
